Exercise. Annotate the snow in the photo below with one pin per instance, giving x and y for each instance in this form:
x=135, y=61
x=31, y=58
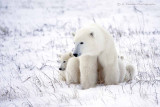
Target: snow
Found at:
x=34, y=32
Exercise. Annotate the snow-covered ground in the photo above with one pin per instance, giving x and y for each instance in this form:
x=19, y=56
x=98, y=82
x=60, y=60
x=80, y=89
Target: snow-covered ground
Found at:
x=33, y=32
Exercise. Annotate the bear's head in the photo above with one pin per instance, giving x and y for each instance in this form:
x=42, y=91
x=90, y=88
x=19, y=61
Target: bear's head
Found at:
x=89, y=41
x=63, y=60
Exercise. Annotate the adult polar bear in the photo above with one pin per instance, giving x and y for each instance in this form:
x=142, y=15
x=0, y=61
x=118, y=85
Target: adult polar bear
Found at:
x=93, y=40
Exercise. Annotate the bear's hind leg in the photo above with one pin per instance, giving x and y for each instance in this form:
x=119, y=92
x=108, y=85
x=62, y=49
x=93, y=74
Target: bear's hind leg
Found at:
x=111, y=78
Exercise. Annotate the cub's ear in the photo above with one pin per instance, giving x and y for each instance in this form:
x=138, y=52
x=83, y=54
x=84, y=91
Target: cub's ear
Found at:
x=91, y=34
x=73, y=34
x=70, y=54
x=59, y=55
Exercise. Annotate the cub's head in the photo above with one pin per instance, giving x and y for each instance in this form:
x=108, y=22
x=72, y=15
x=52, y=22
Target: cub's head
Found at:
x=63, y=60
x=88, y=41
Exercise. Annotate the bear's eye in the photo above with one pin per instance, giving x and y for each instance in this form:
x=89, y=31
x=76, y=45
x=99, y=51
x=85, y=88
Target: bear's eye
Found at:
x=91, y=34
x=64, y=61
x=81, y=42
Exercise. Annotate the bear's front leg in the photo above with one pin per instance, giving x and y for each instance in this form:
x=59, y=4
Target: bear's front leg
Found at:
x=88, y=71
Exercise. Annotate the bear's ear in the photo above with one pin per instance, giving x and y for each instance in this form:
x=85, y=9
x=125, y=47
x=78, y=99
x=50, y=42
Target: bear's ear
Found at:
x=73, y=34
x=70, y=54
x=91, y=34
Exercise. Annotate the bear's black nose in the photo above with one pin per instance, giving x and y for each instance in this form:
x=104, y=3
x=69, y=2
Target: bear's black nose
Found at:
x=75, y=54
x=60, y=68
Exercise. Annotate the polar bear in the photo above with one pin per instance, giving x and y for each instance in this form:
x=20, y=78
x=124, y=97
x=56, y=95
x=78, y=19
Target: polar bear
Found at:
x=63, y=60
x=70, y=68
x=88, y=71
x=93, y=40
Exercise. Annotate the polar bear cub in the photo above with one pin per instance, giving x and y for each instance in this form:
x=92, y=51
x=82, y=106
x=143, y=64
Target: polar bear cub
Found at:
x=88, y=71
x=63, y=60
x=70, y=68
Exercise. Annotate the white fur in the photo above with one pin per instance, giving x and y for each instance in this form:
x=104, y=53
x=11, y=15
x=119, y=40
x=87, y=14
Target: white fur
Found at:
x=88, y=71
x=122, y=70
x=127, y=72
x=62, y=76
x=72, y=71
x=65, y=57
x=101, y=44
x=130, y=74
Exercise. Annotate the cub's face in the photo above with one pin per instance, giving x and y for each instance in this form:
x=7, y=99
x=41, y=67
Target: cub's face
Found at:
x=63, y=60
x=63, y=65
x=85, y=43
